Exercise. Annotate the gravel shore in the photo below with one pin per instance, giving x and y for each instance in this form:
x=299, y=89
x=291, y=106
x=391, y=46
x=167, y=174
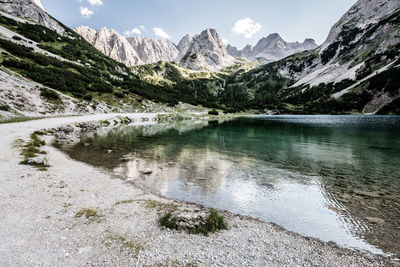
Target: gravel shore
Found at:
x=39, y=226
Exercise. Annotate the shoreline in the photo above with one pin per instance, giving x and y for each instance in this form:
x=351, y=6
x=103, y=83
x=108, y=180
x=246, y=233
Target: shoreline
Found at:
x=39, y=223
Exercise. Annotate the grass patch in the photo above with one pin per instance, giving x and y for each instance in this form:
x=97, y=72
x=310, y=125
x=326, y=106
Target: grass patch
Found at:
x=32, y=150
x=159, y=206
x=134, y=245
x=90, y=214
x=123, y=202
x=215, y=222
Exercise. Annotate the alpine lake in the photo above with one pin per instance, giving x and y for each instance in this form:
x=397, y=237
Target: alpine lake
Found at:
x=336, y=178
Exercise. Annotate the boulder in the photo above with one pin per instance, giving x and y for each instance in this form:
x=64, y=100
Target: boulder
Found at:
x=39, y=160
x=189, y=218
x=89, y=126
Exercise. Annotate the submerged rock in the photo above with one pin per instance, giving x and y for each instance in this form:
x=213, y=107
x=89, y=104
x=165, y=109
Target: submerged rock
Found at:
x=375, y=220
x=66, y=129
x=89, y=126
x=126, y=158
x=147, y=171
x=367, y=194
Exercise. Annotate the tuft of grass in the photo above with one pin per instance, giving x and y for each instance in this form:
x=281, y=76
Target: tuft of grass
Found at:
x=134, y=245
x=90, y=214
x=123, y=202
x=31, y=150
x=214, y=223
x=159, y=206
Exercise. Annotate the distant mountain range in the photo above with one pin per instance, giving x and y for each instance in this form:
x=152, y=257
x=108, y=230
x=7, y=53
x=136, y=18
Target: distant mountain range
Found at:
x=203, y=52
x=271, y=48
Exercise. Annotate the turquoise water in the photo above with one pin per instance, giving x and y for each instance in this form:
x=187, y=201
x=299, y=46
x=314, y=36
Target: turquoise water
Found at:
x=320, y=176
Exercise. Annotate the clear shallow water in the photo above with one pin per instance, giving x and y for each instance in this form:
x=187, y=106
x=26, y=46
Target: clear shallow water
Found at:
x=320, y=176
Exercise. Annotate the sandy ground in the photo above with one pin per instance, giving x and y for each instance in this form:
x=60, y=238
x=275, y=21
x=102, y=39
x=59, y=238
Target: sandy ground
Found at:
x=38, y=226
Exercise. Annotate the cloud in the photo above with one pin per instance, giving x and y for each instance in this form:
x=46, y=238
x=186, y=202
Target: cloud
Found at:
x=161, y=33
x=142, y=27
x=225, y=41
x=247, y=27
x=134, y=31
x=85, y=12
x=96, y=2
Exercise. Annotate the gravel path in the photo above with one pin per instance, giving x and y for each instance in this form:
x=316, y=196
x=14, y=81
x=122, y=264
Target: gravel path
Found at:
x=39, y=226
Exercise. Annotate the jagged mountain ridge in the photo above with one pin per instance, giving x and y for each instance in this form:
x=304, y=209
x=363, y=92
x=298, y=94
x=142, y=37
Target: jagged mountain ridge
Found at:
x=130, y=51
x=206, y=51
x=271, y=48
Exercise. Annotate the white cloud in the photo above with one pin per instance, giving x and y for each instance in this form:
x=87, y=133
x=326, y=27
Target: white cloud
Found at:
x=225, y=41
x=161, y=33
x=134, y=31
x=247, y=27
x=142, y=27
x=38, y=3
x=96, y=2
x=85, y=12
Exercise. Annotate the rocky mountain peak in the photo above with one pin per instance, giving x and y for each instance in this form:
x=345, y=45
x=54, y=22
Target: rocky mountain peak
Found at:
x=272, y=48
x=184, y=45
x=31, y=10
x=207, y=51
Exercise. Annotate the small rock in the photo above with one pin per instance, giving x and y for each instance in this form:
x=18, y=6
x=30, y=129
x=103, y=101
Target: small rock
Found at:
x=367, y=194
x=66, y=129
x=147, y=171
x=38, y=161
x=109, y=151
x=375, y=220
x=171, y=164
x=126, y=158
x=84, y=250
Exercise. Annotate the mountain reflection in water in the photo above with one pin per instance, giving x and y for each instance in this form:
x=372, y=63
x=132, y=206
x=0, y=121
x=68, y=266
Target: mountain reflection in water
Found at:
x=320, y=176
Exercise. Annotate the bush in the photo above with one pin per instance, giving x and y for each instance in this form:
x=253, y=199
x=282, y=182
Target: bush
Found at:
x=49, y=94
x=119, y=94
x=213, y=112
x=88, y=97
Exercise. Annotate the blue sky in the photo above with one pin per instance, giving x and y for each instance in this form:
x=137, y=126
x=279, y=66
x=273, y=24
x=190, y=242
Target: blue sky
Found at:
x=239, y=22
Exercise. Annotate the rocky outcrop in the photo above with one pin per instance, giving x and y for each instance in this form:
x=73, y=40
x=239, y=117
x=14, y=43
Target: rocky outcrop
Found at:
x=131, y=51
x=31, y=10
x=207, y=51
x=112, y=44
x=184, y=45
x=271, y=48
x=154, y=50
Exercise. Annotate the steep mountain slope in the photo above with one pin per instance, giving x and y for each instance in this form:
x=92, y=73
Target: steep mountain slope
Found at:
x=154, y=50
x=206, y=51
x=31, y=10
x=271, y=48
x=363, y=44
x=45, y=72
